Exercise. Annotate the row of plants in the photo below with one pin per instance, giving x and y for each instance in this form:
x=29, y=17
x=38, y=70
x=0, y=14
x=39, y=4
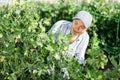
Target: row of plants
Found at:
x=27, y=51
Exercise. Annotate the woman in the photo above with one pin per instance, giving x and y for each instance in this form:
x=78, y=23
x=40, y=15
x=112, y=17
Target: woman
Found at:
x=78, y=29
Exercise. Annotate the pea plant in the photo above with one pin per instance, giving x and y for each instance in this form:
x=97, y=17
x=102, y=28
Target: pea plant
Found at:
x=28, y=51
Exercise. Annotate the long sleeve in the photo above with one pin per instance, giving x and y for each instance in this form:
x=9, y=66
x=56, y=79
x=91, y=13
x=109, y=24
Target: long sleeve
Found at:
x=78, y=47
x=81, y=48
x=54, y=29
x=62, y=25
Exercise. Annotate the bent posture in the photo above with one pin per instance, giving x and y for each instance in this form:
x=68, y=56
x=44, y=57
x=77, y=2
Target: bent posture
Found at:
x=78, y=29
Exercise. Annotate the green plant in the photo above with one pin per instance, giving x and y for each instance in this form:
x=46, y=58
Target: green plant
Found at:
x=28, y=52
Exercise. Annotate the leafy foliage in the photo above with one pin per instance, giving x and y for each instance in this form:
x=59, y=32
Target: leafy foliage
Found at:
x=27, y=51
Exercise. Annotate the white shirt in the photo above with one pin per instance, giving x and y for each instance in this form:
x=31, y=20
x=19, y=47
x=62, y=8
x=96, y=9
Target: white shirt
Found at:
x=78, y=47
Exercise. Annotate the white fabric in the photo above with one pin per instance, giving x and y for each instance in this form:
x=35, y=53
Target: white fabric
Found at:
x=78, y=47
x=85, y=17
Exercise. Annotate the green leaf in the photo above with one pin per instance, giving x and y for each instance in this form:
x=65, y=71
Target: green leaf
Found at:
x=49, y=48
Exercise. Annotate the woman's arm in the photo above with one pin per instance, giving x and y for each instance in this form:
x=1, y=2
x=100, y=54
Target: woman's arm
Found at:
x=81, y=48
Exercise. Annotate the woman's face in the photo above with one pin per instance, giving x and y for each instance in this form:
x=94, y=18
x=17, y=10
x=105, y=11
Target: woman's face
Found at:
x=78, y=26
